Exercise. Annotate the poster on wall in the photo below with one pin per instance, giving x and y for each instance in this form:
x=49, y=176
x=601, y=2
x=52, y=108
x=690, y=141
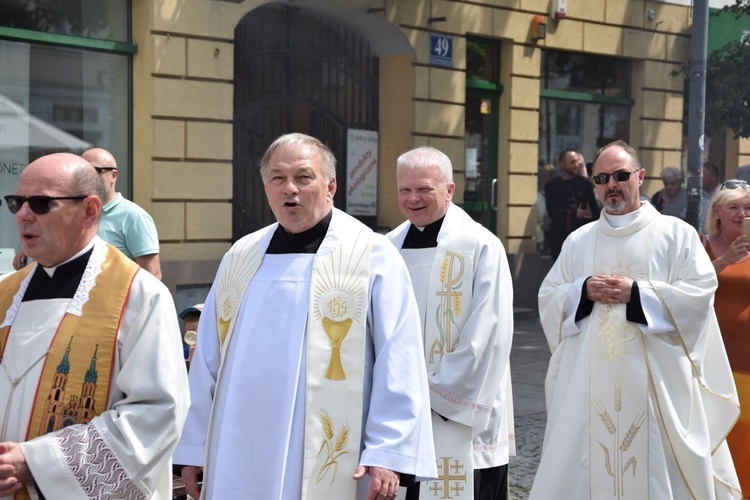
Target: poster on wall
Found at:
x=362, y=172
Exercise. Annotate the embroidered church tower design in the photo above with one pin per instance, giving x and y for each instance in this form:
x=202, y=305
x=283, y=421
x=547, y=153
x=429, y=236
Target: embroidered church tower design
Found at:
x=79, y=409
x=53, y=407
x=86, y=408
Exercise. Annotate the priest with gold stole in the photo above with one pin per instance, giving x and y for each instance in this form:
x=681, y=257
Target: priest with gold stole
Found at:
x=640, y=395
x=464, y=290
x=93, y=391
x=308, y=379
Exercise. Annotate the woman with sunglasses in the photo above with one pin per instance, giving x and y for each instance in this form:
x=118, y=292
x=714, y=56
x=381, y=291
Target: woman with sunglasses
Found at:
x=729, y=250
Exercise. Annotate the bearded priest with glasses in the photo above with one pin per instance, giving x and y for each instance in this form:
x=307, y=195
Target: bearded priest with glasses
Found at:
x=93, y=388
x=640, y=395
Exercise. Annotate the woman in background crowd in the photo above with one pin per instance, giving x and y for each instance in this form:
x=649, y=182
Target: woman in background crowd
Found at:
x=730, y=253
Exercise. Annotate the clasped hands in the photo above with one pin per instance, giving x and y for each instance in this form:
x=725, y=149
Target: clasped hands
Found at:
x=14, y=472
x=609, y=289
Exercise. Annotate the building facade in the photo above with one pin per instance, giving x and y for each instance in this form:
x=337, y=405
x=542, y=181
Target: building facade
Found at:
x=501, y=86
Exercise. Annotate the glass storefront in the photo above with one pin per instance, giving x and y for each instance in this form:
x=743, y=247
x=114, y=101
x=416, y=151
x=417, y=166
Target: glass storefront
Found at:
x=99, y=19
x=60, y=95
x=585, y=104
x=483, y=90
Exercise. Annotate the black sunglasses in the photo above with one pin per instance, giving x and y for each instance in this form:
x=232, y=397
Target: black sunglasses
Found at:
x=99, y=170
x=619, y=177
x=40, y=205
x=734, y=184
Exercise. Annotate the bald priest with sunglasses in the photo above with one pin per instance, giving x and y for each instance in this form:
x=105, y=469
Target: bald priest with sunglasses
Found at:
x=640, y=395
x=93, y=390
x=122, y=223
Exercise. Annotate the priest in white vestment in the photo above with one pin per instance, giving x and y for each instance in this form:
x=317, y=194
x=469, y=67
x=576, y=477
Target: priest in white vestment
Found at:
x=464, y=289
x=93, y=388
x=640, y=395
x=308, y=377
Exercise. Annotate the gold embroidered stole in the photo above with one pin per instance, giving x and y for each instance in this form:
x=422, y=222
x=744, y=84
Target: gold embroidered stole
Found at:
x=336, y=336
x=74, y=384
x=619, y=382
x=447, y=310
x=335, y=343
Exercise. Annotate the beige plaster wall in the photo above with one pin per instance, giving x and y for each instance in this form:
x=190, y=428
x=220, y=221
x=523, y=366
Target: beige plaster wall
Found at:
x=183, y=101
x=396, y=114
x=183, y=123
x=743, y=151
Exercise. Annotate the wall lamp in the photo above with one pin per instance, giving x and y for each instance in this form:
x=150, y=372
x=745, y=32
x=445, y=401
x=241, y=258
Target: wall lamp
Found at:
x=538, y=28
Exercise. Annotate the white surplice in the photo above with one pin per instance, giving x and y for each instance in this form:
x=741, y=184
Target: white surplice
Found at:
x=472, y=384
x=125, y=451
x=633, y=410
x=256, y=444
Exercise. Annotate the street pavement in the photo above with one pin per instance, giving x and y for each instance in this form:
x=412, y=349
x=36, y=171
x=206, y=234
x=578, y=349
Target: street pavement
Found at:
x=529, y=359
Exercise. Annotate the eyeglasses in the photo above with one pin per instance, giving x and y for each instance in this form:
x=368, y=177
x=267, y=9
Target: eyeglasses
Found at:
x=40, y=205
x=621, y=176
x=99, y=170
x=734, y=184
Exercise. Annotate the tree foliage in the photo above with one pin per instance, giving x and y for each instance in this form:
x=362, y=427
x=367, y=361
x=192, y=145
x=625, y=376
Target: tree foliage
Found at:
x=740, y=7
x=727, y=89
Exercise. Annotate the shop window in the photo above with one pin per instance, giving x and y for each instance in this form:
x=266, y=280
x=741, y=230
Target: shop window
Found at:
x=99, y=19
x=585, y=104
x=483, y=90
x=482, y=61
x=66, y=93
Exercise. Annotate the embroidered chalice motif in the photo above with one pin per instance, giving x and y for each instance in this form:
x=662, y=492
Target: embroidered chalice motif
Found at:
x=337, y=308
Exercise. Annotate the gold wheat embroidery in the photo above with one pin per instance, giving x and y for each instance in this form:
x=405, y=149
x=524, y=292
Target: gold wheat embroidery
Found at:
x=444, y=271
x=617, y=472
x=334, y=448
x=456, y=305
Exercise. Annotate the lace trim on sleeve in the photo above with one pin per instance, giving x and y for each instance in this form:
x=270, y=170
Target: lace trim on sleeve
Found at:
x=95, y=466
x=88, y=280
x=10, y=314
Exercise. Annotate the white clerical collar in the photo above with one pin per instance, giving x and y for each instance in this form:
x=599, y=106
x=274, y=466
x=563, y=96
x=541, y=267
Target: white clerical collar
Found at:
x=624, y=219
x=51, y=270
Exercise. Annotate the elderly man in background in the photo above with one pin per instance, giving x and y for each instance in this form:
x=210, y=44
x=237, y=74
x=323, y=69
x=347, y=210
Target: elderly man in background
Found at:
x=640, y=395
x=122, y=224
x=672, y=200
x=464, y=289
x=308, y=377
x=93, y=386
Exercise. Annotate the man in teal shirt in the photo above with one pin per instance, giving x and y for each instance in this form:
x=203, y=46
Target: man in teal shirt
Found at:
x=122, y=223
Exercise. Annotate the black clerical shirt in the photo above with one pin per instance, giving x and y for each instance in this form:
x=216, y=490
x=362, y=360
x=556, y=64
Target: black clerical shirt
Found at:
x=426, y=238
x=305, y=242
x=61, y=285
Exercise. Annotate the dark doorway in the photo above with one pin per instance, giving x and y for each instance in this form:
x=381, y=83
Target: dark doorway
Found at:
x=296, y=70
